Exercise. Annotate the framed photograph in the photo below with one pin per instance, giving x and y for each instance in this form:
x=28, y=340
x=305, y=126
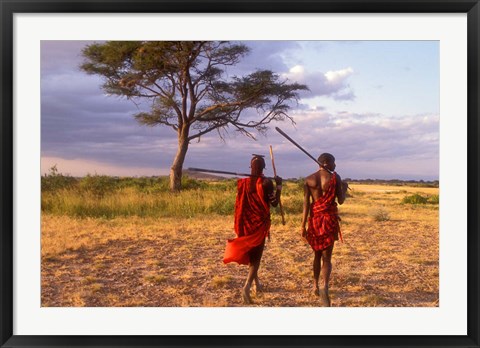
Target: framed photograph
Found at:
x=214, y=173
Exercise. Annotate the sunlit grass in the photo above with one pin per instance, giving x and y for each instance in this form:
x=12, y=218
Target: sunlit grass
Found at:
x=130, y=202
x=136, y=254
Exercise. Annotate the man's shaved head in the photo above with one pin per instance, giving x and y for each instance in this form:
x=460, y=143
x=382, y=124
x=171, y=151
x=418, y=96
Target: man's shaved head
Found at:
x=326, y=157
x=257, y=163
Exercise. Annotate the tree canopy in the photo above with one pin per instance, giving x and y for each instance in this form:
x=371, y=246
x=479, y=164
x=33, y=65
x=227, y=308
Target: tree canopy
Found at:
x=189, y=88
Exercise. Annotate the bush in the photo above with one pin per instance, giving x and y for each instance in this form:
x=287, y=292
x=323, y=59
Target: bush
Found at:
x=148, y=185
x=381, y=215
x=434, y=199
x=414, y=199
x=98, y=185
x=192, y=184
x=54, y=181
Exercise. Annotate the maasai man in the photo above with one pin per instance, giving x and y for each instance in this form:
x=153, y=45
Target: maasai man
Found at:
x=319, y=207
x=255, y=194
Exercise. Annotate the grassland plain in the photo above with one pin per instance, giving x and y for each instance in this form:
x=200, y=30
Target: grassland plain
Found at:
x=169, y=252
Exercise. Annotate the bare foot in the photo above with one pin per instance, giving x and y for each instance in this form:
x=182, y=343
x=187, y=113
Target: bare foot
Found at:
x=246, y=296
x=324, y=298
x=316, y=292
x=258, y=287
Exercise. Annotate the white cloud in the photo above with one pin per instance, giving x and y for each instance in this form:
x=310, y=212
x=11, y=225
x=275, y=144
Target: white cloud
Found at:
x=337, y=77
x=297, y=70
x=330, y=84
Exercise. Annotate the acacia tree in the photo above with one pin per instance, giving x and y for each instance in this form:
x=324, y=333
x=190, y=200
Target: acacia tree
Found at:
x=189, y=89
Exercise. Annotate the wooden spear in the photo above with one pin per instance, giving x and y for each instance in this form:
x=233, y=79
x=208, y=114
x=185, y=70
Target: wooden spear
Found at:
x=275, y=174
x=302, y=149
x=224, y=172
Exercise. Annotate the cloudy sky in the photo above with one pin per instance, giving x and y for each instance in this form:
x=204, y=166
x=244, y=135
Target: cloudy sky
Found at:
x=373, y=104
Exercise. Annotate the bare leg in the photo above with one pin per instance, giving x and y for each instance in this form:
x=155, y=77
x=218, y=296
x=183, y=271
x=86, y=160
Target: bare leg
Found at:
x=258, y=285
x=325, y=275
x=255, y=258
x=316, y=271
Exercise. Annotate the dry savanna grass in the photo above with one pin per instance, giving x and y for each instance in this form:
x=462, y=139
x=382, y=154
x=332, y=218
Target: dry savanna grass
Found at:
x=389, y=257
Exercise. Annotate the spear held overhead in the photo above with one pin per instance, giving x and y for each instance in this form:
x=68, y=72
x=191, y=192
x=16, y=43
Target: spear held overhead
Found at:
x=222, y=172
x=301, y=148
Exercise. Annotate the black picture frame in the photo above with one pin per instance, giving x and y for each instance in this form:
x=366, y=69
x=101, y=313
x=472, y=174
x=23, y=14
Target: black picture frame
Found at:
x=10, y=7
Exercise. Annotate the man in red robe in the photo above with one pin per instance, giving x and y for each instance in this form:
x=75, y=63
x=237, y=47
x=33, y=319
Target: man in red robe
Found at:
x=255, y=194
x=319, y=207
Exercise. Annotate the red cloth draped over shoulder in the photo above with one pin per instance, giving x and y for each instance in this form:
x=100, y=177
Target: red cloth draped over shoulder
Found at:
x=323, y=223
x=252, y=221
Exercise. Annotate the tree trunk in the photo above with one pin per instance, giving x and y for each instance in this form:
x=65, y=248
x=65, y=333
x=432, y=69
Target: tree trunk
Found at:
x=177, y=166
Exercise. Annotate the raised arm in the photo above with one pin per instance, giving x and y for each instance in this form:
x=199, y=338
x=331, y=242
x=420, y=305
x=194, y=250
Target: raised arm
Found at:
x=273, y=197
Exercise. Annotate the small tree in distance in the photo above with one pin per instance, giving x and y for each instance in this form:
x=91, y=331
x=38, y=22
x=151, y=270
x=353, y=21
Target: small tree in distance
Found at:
x=189, y=91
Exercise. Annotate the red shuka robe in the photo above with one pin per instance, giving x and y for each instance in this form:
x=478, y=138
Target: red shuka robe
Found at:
x=252, y=222
x=323, y=223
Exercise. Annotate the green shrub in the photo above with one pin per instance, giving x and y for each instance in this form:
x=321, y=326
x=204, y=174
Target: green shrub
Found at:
x=98, y=185
x=192, y=184
x=434, y=199
x=55, y=181
x=148, y=185
x=415, y=199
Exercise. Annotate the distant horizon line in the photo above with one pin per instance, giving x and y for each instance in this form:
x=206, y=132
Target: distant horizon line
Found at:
x=210, y=176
